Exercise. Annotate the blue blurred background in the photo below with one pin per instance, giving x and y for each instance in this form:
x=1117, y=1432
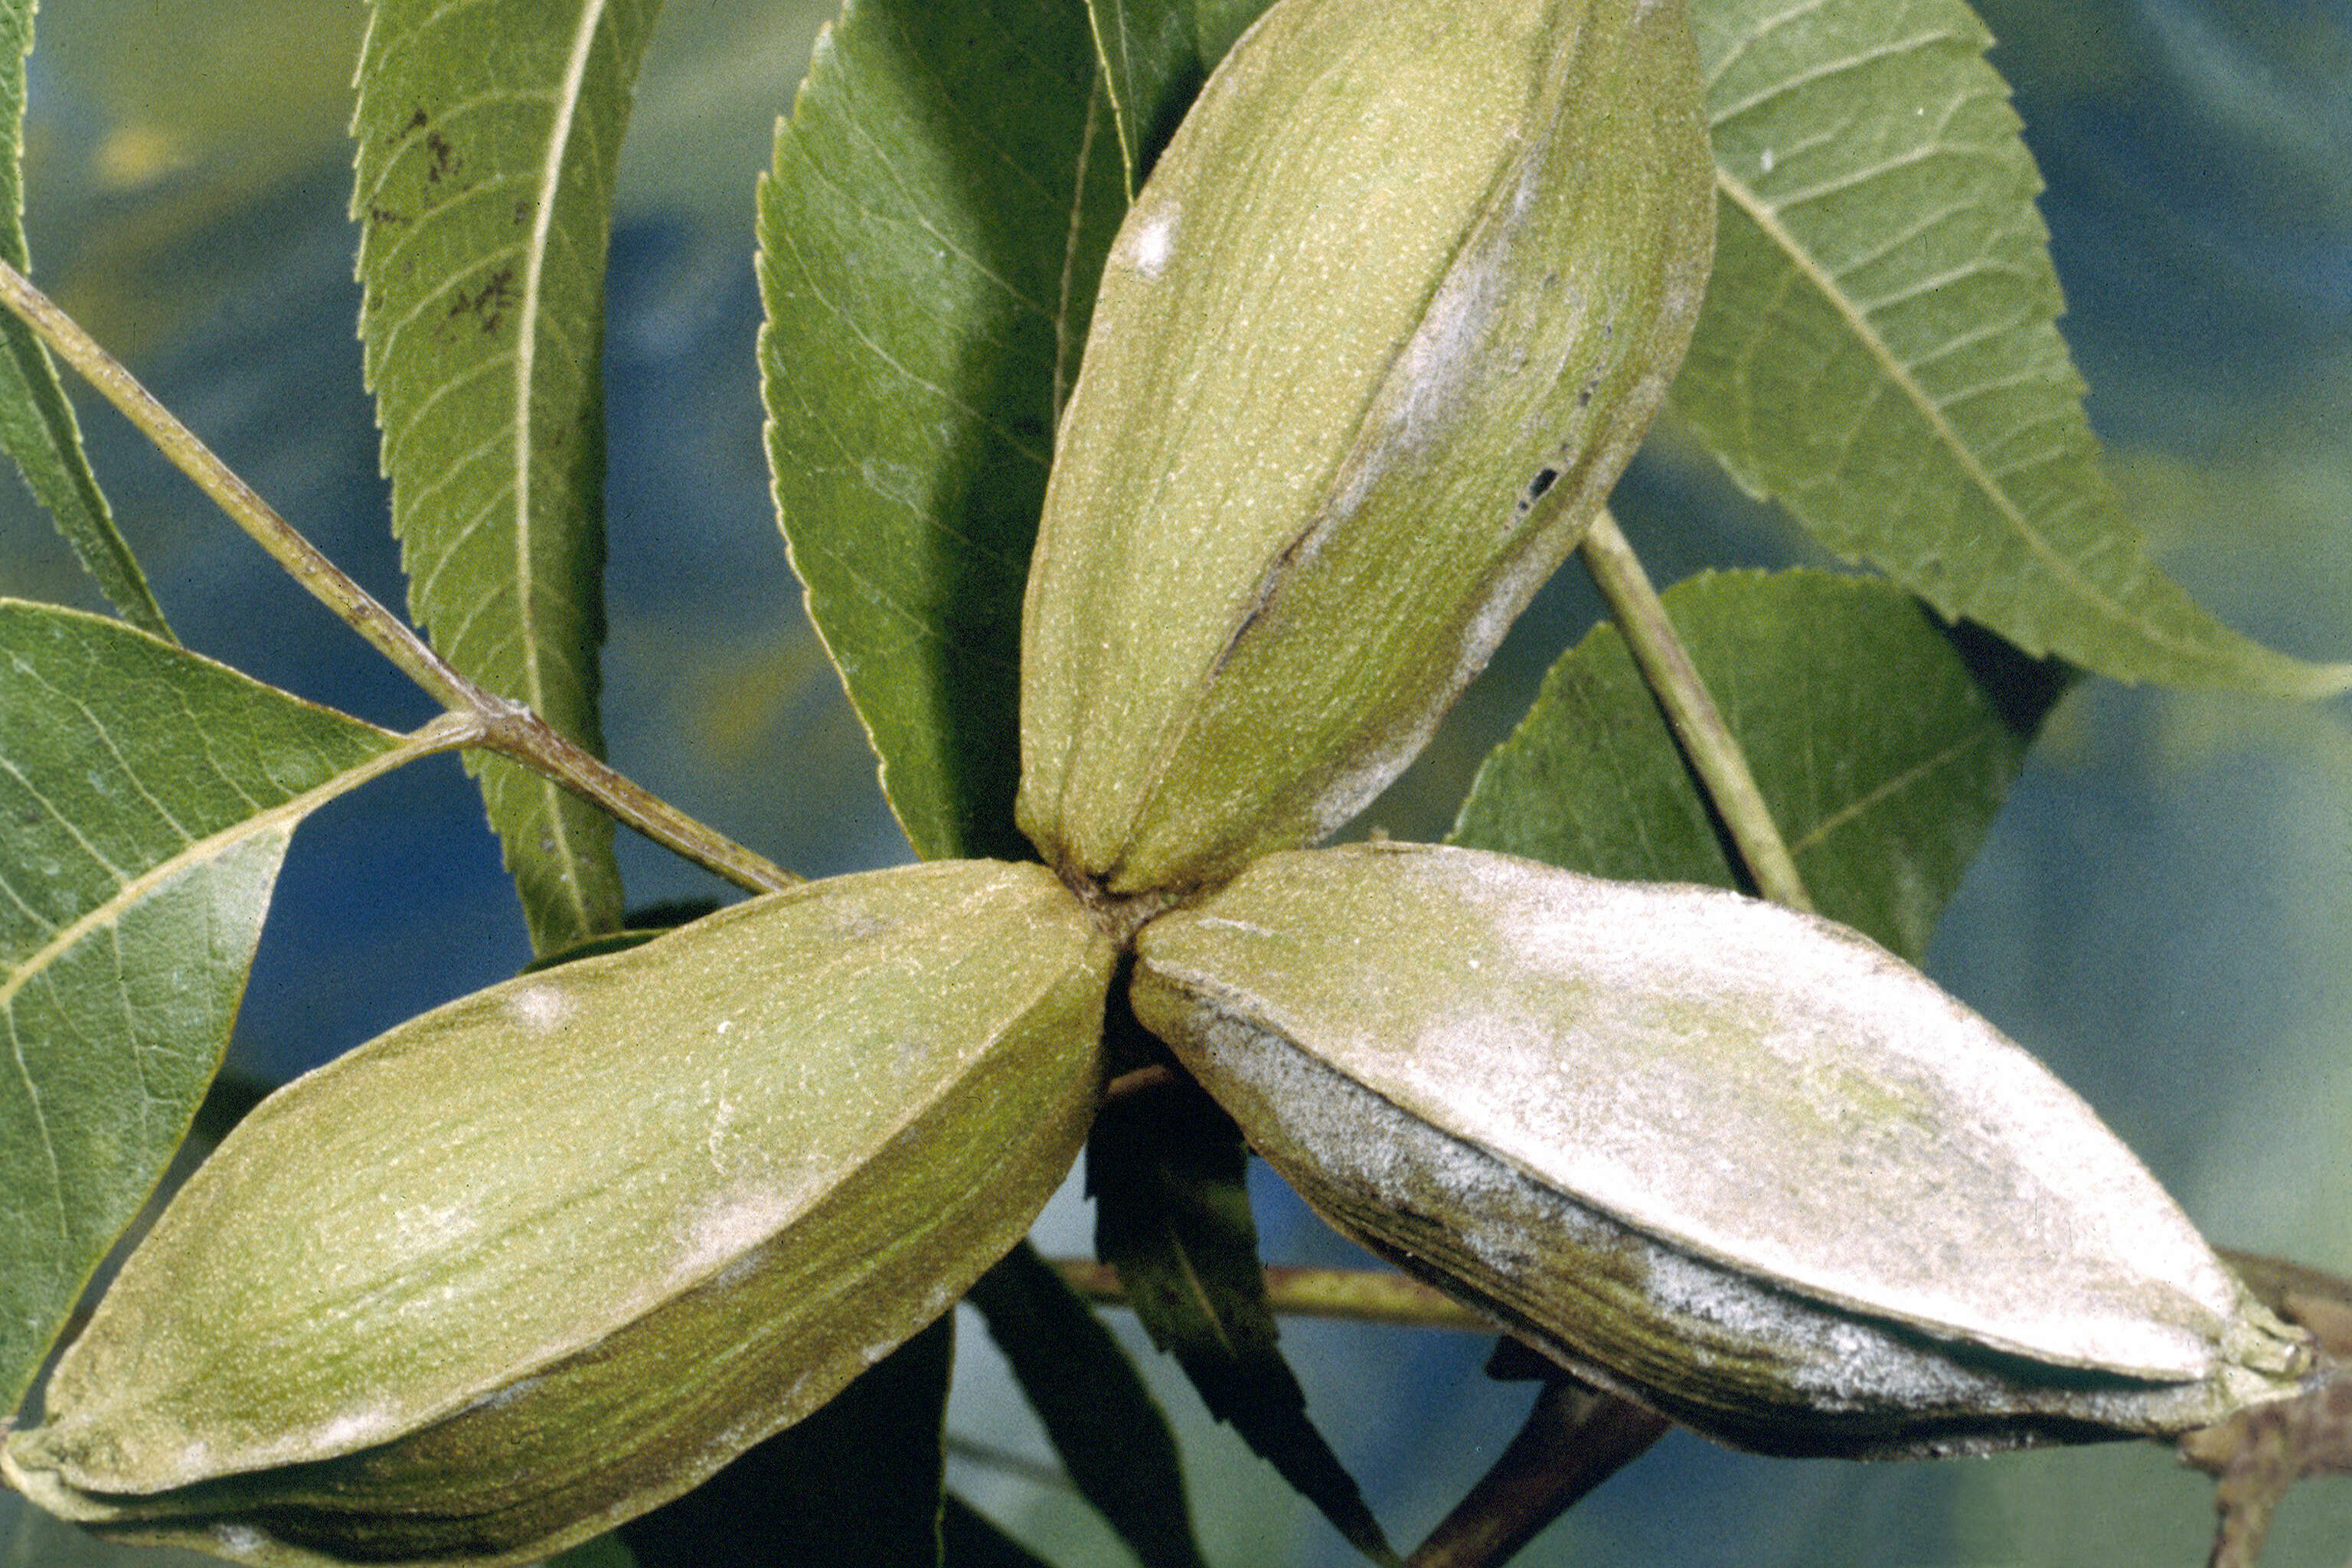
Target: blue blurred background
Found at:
x=2164, y=912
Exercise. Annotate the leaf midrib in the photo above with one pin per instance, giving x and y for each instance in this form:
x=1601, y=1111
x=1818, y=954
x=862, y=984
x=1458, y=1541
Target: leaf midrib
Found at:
x=566, y=102
x=1887, y=789
x=433, y=738
x=1800, y=256
x=1064, y=306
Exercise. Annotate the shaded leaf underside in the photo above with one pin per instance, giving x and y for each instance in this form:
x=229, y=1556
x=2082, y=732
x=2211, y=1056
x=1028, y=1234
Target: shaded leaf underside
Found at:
x=1113, y=1441
x=1884, y=742
x=1216, y=23
x=487, y=139
x=1879, y=349
x=858, y=1481
x=970, y=1539
x=1172, y=1216
x=148, y=796
x=1151, y=55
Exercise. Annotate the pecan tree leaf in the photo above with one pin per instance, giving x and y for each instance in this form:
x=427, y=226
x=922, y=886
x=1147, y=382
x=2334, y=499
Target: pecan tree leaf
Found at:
x=1880, y=349
x=1112, y=1438
x=148, y=796
x=860, y=1481
x=487, y=139
x=1172, y=1216
x=1884, y=741
x=942, y=198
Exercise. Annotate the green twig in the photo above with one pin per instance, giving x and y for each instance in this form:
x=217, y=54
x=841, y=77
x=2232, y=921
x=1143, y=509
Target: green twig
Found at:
x=324, y=580
x=1714, y=755
x=518, y=732
x=504, y=726
x=1360, y=1295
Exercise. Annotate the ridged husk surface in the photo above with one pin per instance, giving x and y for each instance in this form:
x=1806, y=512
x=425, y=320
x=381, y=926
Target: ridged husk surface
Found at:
x=1736, y=1163
x=536, y=1261
x=1381, y=331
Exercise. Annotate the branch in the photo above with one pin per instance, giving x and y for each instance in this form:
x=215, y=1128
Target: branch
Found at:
x=309, y=566
x=2257, y=1455
x=519, y=733
x=1706, y=741
x=1575, y=1439
x=506, y=727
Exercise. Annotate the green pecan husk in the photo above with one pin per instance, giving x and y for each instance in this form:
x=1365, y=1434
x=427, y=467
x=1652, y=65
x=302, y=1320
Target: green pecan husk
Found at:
x=1737, y=1164
x=1381, y=331
x=541, y=1259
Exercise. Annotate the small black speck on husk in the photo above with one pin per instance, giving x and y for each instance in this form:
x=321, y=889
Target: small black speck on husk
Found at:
x=1381, y=330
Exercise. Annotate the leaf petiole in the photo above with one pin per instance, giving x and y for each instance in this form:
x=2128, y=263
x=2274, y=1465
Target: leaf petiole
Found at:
x=496, y=723
x=1706, y=741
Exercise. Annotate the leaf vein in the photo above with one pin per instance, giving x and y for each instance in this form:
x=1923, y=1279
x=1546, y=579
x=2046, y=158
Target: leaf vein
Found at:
x=40, y=1121
x=1827, y=70
x=1899, y=376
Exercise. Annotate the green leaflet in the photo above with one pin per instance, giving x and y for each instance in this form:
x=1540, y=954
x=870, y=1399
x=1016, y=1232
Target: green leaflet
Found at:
x=1155, y=53
x=1109, y=1432
x=1884, y=742
x=148, y=796
x=1172, y=1216
x=1879, y=349
x=488, y=136
x=930, y=239
x=604, y=1551
x=860, y=1481
x=36, y=423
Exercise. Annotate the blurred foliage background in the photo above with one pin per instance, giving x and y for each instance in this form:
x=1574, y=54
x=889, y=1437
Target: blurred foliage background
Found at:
x=2164, y=912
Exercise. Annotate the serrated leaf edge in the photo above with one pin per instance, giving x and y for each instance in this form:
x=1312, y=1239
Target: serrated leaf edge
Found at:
x=2315, y=680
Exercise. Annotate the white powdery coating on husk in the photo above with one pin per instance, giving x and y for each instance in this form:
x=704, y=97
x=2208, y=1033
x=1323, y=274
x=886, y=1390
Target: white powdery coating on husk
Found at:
x=1761, y=1089
x=1751, y=1356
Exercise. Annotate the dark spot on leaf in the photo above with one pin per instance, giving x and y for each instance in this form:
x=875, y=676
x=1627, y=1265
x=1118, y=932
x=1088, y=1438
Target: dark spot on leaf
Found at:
x=386, y=215
x=1584, y=393
x=523, y=211
x=444, y=157
x=415, y=123
x=489, y=303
